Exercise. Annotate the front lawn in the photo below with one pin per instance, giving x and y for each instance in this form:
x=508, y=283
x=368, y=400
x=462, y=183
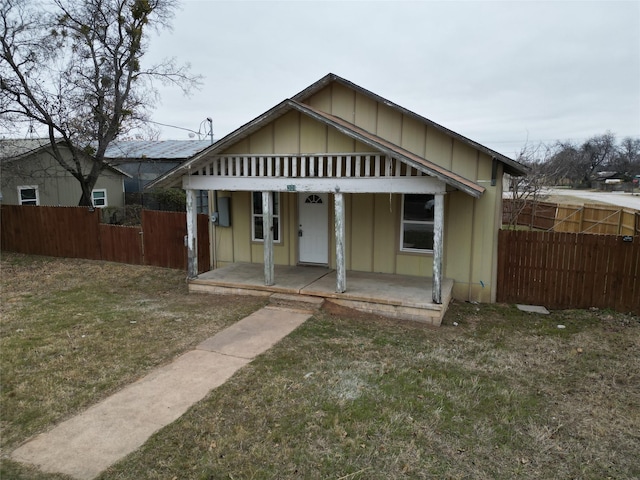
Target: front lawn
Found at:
x=502, y=394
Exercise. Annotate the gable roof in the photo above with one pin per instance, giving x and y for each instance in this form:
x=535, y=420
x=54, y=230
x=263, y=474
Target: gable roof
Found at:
x=511, y=166
x=172, y=177
x=12, y=149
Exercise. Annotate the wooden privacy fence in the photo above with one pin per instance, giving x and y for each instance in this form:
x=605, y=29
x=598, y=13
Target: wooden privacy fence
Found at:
x=602, y=219
x=569, y=270
x=76, y=232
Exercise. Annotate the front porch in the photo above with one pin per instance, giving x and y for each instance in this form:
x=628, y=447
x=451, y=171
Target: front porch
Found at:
x=396, y=296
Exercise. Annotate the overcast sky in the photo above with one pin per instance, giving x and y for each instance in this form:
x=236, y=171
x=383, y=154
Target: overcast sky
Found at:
x=501, y=73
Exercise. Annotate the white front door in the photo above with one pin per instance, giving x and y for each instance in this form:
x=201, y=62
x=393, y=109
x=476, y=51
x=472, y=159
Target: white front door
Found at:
x=313, y=228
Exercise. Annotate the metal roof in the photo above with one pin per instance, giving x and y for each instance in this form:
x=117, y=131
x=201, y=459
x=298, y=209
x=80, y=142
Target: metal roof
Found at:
x=154, y=149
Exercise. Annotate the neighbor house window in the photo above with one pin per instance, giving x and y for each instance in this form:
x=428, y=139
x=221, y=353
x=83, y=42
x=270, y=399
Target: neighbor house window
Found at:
x=257, y=230
x=28, y=195
x=416, y=234
x=99, y=198
x=202, y=201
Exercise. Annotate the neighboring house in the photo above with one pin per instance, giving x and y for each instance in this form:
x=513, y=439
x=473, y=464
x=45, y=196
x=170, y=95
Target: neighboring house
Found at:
x=146, y=160
x=30, y=175
x=343, y=178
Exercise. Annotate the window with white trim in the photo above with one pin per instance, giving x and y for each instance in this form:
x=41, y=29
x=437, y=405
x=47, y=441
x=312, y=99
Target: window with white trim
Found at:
x=416, y=229
x=257, y=232
x=28, y=195
x=99, y=198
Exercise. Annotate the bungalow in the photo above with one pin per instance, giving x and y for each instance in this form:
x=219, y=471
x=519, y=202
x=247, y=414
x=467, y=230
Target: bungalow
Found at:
x=32, y=176
x=377, y=197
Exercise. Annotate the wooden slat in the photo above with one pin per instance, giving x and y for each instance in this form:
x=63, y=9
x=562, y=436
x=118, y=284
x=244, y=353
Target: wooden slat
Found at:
x=569, y=270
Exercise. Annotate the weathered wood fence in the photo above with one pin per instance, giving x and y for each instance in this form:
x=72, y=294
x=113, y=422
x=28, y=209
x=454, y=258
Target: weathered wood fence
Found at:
x=569, y=270
x=601, y=219
x=76, y=232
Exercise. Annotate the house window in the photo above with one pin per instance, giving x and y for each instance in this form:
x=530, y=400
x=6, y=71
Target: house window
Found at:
x=99, y=198
x=28, y=195
x=257, y=217
x=416, y=233
x=202, y=201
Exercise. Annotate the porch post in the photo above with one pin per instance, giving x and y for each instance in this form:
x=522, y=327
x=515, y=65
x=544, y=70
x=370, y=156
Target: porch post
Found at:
x=267, y=234
x=192, y=235
x=341, y=271
x=438, y=229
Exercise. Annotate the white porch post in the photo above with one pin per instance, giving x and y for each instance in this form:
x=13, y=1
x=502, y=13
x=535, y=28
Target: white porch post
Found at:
x=438, y=229
x=192, y=235
x=341, y=271
x=267, y=233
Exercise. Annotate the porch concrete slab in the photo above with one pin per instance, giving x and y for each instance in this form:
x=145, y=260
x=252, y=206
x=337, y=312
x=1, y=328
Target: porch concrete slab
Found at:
x=88, y=443
x=288, y=279
x=401, y=290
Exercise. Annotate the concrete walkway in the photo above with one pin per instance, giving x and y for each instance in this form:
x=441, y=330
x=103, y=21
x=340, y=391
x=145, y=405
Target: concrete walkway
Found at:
x=87, y=444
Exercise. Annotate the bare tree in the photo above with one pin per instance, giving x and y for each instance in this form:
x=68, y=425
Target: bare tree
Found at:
x=76, y=69
x=526, y=191
x=579, y=164
x=627, y=158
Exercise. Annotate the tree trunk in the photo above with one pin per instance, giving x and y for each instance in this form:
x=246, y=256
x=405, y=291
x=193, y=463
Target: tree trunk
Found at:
x=87, y=184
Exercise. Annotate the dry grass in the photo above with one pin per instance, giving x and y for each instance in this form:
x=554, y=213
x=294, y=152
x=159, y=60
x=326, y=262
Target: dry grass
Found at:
x=74, y=331
x=502, y=395
x=569, y=199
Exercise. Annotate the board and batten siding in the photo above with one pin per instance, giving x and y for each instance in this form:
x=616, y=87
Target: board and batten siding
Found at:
x=373, y=220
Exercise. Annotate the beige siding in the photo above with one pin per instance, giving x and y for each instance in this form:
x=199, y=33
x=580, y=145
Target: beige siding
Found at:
x=361, y=239
x=287, y=133
x=241, y=147
x=339, y=143
x=389, y=124
x=465, y=161
x=385, y=235
x=313, y=136
x=373, y=220
x=321, y=100
x=366, y=112
x=226, y=250
x=458, y=237
x=262, y=140
x=413, y=135
x=241, y=239
x=439, y=148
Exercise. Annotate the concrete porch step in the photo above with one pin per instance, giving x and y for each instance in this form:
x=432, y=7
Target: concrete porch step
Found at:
x=298, y=302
